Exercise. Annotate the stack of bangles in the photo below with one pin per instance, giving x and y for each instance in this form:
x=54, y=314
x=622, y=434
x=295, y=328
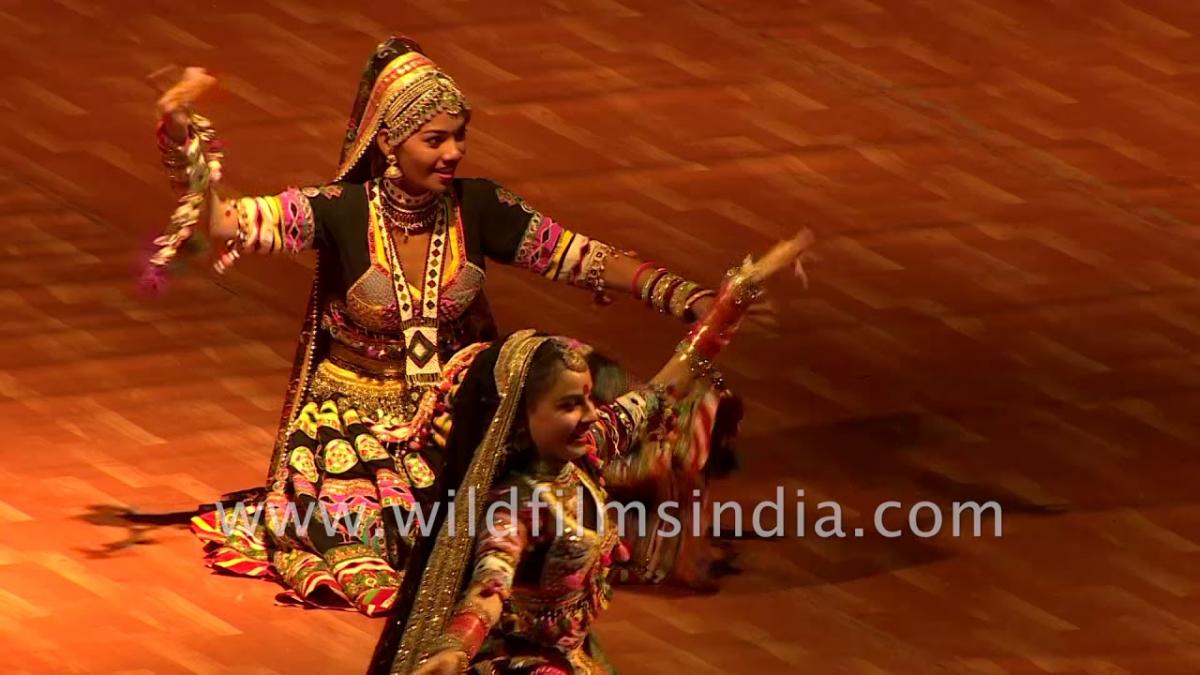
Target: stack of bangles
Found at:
x=465, y=634
x=711, y=335
x=193, y=166
x=667, y=292
x=173, y=157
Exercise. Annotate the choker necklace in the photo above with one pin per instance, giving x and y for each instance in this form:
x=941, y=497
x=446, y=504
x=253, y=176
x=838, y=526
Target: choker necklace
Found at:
x=409, y=214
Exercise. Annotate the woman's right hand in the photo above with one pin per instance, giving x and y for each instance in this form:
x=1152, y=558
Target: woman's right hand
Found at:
x=175, y=104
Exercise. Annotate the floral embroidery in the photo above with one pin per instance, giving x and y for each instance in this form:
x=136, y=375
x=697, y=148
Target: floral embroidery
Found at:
x=510, y=198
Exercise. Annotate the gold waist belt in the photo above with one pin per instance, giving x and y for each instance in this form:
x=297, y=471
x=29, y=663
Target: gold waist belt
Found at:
x=376, y=396
x=356, y=362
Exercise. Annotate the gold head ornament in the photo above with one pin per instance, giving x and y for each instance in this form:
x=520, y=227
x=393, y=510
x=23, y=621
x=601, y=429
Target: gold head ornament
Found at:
x=408, y=92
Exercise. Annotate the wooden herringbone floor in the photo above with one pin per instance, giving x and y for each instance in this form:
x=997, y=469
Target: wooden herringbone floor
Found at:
x=1006, y=309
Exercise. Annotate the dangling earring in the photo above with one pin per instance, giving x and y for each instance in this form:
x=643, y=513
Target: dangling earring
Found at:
x=393, y=171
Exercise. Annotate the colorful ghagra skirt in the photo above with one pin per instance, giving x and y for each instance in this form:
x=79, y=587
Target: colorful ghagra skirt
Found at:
x=336, y=531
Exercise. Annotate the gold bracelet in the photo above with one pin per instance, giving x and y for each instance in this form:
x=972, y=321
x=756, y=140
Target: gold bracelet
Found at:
x=701, y=366
x=594, y=275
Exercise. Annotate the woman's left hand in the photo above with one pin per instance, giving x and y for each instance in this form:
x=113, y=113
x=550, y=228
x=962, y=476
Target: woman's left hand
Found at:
x=445, y=662
x=763, y=314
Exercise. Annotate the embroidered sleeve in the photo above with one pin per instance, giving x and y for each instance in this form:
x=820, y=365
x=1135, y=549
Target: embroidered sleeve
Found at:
x=624, y=422
x=519, y=234
x=498, y=548
x=505, y=533
x=680, y=441
x=511, y=523
x=284, y=222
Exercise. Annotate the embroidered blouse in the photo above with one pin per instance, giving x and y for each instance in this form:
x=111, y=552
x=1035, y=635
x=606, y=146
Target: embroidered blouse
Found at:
x=374, y=305
x=551, y=541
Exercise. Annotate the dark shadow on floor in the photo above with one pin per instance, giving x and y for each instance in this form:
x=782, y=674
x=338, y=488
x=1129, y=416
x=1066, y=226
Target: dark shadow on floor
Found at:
x=138, y=526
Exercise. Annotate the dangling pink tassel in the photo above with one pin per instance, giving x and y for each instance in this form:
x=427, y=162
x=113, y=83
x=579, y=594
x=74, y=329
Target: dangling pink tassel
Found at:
x=153, y=280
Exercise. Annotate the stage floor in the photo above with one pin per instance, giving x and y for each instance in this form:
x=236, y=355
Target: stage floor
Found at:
x=1006, y=309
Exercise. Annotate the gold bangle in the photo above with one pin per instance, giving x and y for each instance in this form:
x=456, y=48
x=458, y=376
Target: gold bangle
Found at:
x=659, y=299
x=647, y=291
x=678, y=303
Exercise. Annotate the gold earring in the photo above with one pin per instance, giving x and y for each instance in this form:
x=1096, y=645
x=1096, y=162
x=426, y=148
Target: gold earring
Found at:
x=393, y=171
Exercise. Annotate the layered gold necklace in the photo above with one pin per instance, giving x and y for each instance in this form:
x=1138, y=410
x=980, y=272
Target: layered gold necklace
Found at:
x=418, y=315
x=406, y=213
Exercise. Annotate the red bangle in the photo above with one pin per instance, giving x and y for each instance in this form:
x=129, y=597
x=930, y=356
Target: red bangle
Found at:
x=638, y=273
x=470, y=629
x=711, y=335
